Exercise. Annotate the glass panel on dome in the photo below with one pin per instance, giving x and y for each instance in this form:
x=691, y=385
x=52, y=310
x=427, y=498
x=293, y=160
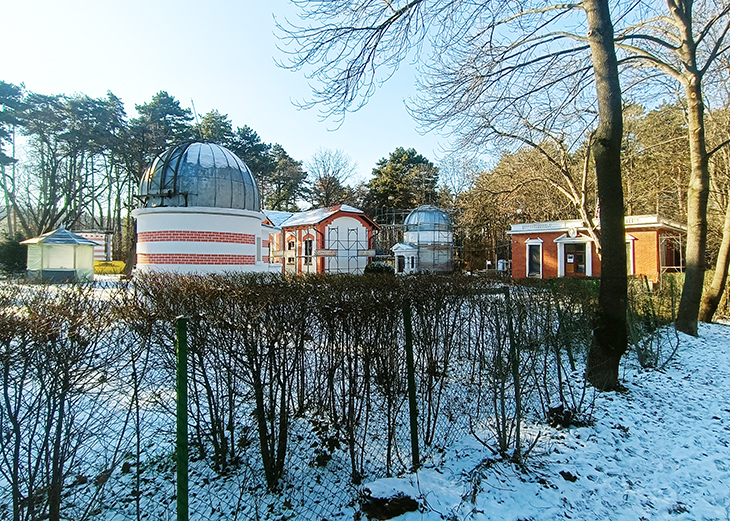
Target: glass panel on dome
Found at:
x=206, y=193
x=238, y=194
x=151, y=180
x=206, y=155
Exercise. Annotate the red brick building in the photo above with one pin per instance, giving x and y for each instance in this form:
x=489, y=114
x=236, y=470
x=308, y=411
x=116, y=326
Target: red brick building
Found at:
x=654, y=245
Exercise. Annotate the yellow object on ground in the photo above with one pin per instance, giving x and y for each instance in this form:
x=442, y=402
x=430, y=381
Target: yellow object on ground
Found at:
x=108, y=267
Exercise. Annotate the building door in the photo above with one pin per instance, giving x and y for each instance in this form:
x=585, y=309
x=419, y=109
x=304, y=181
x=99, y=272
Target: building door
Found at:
x=575, y=260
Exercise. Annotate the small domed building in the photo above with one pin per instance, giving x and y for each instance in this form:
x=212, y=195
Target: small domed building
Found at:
x=428, y=242
x=200, y=213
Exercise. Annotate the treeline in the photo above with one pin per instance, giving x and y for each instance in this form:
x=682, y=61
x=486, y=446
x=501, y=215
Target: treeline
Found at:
x=77, y=160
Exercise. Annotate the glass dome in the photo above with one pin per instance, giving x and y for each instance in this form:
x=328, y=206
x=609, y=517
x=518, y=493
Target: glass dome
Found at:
x=430, y=216
x=199, y=174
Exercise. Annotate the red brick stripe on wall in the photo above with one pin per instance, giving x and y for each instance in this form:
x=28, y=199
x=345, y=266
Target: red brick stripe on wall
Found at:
x=265, y=243
x=193, y=236
x=195, y=258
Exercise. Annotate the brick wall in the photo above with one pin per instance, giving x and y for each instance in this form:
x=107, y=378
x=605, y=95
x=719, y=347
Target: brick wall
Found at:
x=195, y=258
x=196, y=236
x=646, y=253
x=549, y=255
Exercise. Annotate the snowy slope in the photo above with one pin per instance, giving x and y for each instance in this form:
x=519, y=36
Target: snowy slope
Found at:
x=661, y=450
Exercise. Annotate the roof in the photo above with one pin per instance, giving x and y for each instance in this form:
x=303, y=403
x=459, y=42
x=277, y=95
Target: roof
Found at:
x=277, y=217
x=202, y=175
x=402, y=246
x=60, y=236
x=427, y=214
x=310, y=217
x=632, y=222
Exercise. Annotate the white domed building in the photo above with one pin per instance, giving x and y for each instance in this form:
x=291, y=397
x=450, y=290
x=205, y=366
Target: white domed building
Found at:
x=428, y=242
x=200, y=213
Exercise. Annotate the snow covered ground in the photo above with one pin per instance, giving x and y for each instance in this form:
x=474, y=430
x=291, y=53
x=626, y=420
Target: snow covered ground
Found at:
x=660, y=450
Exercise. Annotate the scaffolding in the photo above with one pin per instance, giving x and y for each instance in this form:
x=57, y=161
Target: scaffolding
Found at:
x=348, y=257
x=435, y=246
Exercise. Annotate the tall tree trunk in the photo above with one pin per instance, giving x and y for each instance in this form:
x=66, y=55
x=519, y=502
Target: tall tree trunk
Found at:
x=58, y=457
x=697, y=195
x=609, y=334
x=711, y=299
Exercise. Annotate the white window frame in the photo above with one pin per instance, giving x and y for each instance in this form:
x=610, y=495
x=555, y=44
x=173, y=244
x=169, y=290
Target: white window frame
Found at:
x=631, y=241
x=308, y=251
x=528, y=243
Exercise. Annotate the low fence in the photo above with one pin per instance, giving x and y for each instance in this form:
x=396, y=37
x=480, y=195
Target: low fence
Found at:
x=298, y=388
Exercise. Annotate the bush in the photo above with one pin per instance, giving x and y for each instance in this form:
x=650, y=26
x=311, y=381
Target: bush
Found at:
x=13, y=255
x=379, y=268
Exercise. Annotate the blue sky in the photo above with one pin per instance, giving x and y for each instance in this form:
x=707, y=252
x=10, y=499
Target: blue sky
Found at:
x=219, y=53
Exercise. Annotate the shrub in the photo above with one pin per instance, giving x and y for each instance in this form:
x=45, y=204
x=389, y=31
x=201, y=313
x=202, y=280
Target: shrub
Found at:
x=13, y=255
x=379, y=268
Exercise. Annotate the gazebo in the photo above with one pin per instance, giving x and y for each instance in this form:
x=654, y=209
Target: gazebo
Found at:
x=60, y=256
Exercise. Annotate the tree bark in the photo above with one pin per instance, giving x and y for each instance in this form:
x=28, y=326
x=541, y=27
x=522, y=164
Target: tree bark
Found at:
x=609, y=334
x=712, y=297
x=697, y=195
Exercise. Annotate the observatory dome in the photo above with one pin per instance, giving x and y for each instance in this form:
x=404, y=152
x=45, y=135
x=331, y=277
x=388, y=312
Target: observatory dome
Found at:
x=199, y=175
x=428, y=215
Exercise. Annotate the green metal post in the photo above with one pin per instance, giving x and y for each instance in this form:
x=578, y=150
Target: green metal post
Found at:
x=182, y=419
x=514, y=357
x=411, y=385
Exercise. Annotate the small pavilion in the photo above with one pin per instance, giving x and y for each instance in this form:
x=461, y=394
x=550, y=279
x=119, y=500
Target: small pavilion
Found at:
x=60, y=256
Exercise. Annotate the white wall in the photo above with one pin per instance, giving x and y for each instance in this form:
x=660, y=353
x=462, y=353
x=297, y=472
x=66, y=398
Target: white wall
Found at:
x=346, y=235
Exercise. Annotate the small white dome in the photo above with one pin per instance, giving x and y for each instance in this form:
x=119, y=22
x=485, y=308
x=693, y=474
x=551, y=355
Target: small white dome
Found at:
x=428, y=215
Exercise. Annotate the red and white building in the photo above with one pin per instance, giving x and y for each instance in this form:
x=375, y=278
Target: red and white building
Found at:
x=654, y=245
x=102, y=250
x=338, y=239
x=200, y=213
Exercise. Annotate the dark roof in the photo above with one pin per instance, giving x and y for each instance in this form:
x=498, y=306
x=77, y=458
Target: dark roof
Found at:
x=199, y=174
x=60, y=236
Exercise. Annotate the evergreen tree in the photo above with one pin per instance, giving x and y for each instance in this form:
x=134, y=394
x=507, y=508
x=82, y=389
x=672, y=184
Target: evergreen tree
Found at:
x=161, y=123
x=10, y=98
x=286, y=182
x=405, y=179
x=216, y=128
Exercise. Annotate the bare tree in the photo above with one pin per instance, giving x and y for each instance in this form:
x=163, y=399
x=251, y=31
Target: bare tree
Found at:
x=520, y=67
x=720, y=182
x=328, y=171
x=457, y=174
x=684, y=42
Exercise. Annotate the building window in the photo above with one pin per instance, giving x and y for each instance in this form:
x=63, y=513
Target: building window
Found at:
x=630, y=256
x=290, y=245
x=533, y=258
x=290, y=260
x=308, y=252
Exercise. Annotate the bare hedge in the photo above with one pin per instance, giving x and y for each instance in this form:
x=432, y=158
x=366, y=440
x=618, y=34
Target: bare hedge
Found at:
x=298, y=388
